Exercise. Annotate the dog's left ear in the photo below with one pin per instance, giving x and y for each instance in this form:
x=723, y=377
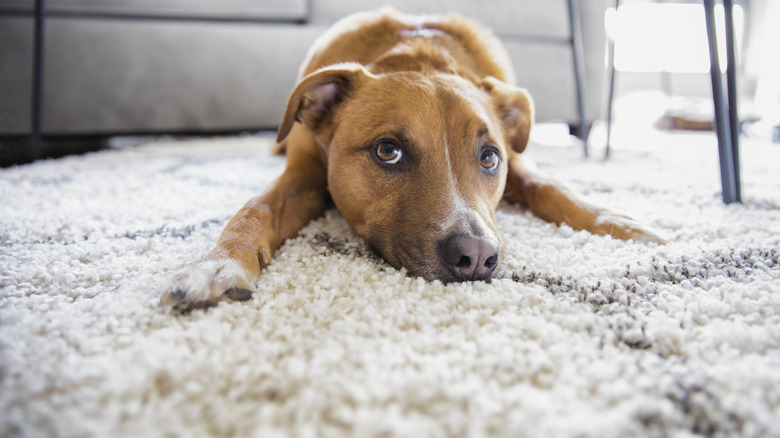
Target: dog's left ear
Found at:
x=514, y=107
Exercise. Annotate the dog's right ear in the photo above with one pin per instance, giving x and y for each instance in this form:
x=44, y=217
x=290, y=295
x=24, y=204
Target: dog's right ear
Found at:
x=316, y=97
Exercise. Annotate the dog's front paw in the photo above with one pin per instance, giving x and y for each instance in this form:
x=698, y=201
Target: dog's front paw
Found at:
x=207, y=283
x=623, y=227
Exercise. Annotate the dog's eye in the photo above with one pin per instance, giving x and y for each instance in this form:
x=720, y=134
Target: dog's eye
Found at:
x=489, y=159
x=388, y=152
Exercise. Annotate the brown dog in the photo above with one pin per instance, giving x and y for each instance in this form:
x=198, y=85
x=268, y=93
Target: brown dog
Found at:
x=414, y=128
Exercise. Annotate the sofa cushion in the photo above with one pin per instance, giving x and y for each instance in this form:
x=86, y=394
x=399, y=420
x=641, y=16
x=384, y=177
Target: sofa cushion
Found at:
x=265, y=10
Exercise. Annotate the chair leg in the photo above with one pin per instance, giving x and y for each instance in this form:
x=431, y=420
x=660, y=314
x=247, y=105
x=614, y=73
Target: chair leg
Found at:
x=731, y=83
x=610, y=98
x=579, y=71
x=610, y=89
x=722, y=127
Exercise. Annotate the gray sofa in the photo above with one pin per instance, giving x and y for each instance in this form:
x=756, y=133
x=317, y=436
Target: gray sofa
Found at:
x=198, y=66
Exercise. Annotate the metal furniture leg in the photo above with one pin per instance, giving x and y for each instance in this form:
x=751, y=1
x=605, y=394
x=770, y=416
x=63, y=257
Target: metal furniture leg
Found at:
x=722, y=124
x=610, y=88
x=579, y=71
x=731, y=85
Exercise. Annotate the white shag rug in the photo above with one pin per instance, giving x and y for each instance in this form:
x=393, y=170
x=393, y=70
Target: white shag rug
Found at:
x=586, y=335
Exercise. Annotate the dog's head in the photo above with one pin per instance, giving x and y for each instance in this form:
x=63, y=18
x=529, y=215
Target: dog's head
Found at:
x=417, y=163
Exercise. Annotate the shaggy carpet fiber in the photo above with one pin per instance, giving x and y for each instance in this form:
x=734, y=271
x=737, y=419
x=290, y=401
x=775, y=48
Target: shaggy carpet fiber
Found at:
x=584, y=336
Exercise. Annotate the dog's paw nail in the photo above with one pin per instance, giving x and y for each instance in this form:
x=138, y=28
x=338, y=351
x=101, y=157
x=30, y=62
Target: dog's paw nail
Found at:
x=264, y=259
x=179, y=302
x=238, y=294
x=201, y=305
x=173, y=297
x=186, y=308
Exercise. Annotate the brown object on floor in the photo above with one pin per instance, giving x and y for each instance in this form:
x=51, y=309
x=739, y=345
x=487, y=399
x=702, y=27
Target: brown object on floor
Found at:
x=688, y=114
x=681, y=123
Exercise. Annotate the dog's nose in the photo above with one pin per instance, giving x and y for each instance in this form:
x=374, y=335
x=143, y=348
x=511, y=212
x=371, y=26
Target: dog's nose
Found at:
x=469, y=258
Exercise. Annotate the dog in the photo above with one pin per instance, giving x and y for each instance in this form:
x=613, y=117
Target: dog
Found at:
x=413, y=128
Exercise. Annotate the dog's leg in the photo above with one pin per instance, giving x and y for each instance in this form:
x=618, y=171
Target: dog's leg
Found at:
x=554, y=202
x=257, y=230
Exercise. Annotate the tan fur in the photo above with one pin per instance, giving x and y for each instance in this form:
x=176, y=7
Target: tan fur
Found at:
x=442, y=87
